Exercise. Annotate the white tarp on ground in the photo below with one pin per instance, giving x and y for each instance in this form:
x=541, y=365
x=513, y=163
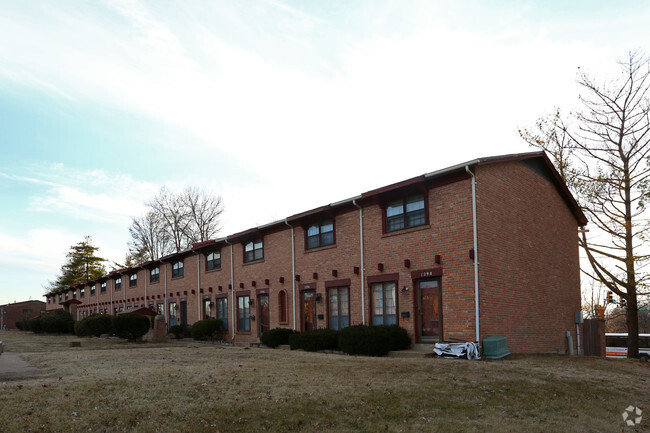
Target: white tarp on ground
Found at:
x=469, y=350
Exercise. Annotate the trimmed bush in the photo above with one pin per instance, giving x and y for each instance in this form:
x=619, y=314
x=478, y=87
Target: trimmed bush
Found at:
x=365, y=340
x=208, y=329
x=180, y=331
x=130, y=326
x=276, y=337
x=56, y=322
x=313, y=341
x=33, y=325
x=94, y=325
x=399, y=338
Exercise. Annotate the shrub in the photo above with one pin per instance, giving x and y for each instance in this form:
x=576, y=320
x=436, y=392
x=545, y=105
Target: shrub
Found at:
x=365, y=340
x=398, y=337
x=94, y=325
x=313, y=341
x=56, y=322
x=180, y=331
x=130, y=326
x=207, y=329
x=276, y=337
x=33, y=325
x=20, y=326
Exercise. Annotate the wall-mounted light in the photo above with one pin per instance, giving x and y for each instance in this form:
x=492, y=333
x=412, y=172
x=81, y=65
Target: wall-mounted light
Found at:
x=252, y=318
x=251, y=302
x=404, y=289
x=319, y=297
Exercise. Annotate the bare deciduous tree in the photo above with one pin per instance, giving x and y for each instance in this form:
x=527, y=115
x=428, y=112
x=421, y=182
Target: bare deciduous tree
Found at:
x=604, y=160
x=174, y=222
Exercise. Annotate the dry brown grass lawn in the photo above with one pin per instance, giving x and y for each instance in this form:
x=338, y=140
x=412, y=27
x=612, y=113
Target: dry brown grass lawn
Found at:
x=112, y=386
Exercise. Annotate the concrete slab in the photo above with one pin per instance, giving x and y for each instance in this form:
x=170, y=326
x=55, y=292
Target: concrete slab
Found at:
x=12, y=366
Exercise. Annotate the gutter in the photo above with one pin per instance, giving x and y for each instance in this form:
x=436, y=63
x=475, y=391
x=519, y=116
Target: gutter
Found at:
x=232, y=290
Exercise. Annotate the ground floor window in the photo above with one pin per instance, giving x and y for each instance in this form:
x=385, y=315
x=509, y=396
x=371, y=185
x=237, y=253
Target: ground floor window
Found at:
x=173, y=314
x=243, y=313
x=161, y=308
x=222, y=312
x=339, y=307
x=207, y=308
x=384, y=303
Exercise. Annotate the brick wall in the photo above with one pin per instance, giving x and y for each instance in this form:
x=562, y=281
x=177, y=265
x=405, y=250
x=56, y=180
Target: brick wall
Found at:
x=528, y=254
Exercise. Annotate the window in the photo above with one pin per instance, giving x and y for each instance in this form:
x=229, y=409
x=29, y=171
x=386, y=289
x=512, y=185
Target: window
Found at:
x=243, y=313
x=282, y=304
x=254, y=250
x=133, y=280
x=320, y=234
x=74, y=294
x=60, y=297
x=102, y=287
x=177, y=269
x=404, y=214
x=384, y=303
x=339, y=308
x=213, y=261
x=161, y=308
x=82, y=292
x=118, y=284
x=207, y=308
x=66, y=295
x=222, y=312
x=92, y=290
x=173, y=314
x=155, y=275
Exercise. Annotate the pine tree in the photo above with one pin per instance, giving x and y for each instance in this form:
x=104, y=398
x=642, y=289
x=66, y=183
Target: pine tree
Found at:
x=82, y=265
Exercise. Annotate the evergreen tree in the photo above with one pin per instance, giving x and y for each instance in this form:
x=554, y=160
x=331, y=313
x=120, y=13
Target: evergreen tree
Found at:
x=82, y=265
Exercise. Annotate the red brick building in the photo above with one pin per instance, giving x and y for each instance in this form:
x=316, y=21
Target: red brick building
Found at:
x=10, y=314
x=484, y=248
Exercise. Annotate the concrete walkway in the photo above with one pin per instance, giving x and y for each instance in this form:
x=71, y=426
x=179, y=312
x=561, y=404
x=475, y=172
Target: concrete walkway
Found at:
x=12, y=366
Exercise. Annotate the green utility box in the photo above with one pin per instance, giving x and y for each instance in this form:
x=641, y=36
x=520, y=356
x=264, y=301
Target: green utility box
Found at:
x=495, y=347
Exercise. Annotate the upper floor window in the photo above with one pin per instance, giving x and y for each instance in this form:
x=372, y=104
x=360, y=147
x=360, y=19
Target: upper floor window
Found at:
x=155, y=275
x=118, y=284
x=60, y=297
x=254, y=250
x=102, y=288
x=133, y=280
x=82, y=292
x=74, y=294
x=177, y=269
x=405, y=213
x=320, y=234
x=92, y=290
x=213, y=260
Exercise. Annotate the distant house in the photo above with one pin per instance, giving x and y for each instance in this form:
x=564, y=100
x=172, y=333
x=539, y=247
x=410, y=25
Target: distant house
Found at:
x=487, y=247
x=12, y=313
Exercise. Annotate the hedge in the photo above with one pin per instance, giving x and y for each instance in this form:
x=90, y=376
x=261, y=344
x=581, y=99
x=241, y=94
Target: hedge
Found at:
x=313, y=341
x=54, y=322
x=131, y=326
x=207, y=329
x=180, y=331
x=373, y=340
x=276, y=337
x=94, y=325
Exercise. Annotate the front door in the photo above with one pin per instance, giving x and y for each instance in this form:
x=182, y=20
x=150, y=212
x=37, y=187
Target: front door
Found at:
x=308, y=310
x=265, y=320
x=183, y=312
x=429, y=309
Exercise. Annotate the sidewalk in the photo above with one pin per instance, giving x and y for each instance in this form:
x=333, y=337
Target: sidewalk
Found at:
x=12, y=366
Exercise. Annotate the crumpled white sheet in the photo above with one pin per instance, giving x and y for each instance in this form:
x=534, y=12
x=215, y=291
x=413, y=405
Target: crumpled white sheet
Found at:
x=459, y=350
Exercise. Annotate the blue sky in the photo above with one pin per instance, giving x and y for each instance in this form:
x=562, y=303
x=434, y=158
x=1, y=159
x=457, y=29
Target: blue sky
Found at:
x=277, y=106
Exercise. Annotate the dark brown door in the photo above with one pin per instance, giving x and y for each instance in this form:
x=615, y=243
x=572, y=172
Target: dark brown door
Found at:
x=265, y=320
x=429, y=307
x=308, y=310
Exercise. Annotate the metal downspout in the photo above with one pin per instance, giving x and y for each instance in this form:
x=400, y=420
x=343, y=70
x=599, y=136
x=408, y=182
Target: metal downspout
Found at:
x=198, y=284
x=232, y=291
x=475, y=229
x=293, y=271
x=363, y=283
x=166, y=300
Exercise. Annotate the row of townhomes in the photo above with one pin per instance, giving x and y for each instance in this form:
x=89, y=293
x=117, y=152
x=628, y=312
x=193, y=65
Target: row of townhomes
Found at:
x=488, y=247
